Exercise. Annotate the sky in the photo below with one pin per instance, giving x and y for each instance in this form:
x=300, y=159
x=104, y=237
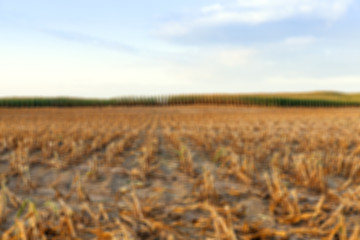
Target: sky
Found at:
x=110, y=48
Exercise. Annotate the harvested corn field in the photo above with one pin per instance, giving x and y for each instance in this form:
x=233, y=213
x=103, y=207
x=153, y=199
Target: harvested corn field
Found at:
x=195, y=172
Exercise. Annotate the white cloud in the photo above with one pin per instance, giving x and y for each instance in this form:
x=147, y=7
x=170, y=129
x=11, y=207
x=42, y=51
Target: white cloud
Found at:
x=258, y=12
x=326, y=9
x=221, y=57
x=301, y=40
x=173, y=29
x=212, y=8
x=233, y=57
x=224, y=17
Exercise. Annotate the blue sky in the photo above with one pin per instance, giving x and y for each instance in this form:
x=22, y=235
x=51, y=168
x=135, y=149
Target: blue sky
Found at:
x=114, y=48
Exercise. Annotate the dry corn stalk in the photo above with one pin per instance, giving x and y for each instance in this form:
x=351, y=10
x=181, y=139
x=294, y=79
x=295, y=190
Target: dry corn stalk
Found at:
x=242, y=170
x=332, y=219
x=205, y=188
x=186, y=162
x=3, y=204
x=310, y=172
x=93, y=172
x=136, y=206
x=223, y=227
x=77, y=187
x=355, y=234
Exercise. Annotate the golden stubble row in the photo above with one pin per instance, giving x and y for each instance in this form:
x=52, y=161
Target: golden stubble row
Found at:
x=301, y=164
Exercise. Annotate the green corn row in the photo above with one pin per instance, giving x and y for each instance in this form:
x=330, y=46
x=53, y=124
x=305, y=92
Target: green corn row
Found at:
x=260, y=101
x=279, y=100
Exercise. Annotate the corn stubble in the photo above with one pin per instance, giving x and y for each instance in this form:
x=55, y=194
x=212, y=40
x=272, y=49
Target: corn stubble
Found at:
x=224, y=173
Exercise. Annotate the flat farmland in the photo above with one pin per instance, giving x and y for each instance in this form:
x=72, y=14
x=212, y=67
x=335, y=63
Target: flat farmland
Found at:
x=185, y=172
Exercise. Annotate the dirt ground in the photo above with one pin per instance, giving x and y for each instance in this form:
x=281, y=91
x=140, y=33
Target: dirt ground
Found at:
x=199, y=172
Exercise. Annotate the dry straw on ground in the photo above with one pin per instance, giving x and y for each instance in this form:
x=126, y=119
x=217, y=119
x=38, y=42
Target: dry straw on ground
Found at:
x=197, y=172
